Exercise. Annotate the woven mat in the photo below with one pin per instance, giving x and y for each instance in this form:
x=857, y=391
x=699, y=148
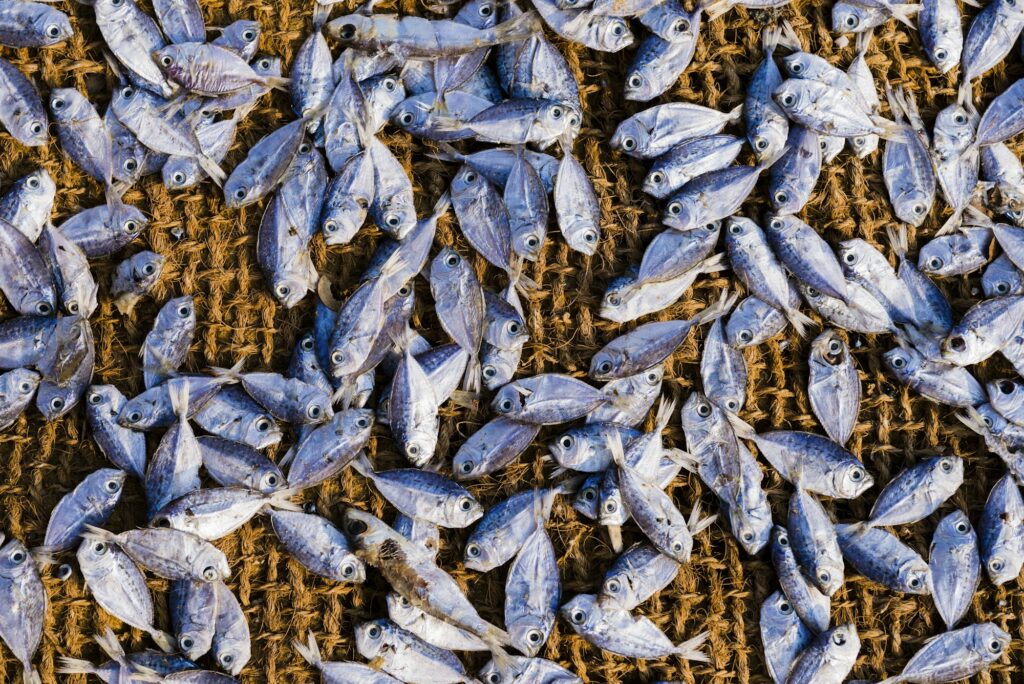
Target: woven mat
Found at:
x=719, y=591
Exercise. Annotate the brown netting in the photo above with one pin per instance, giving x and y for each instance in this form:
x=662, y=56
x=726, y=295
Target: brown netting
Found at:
x=722, y=587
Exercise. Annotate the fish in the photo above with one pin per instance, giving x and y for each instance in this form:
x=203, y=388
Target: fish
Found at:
x=17, y=389
x=906, y=162
x=265, y=165
x=33, y=25
x=597, y=32
x=812, y=537
x=27, y=204
x=941, y=382
x=233, y=415
x=327, y=449
x=793, y=176
x=231, y=646
x=133, y=36
x=167, y=344
x=430, y=629
x=658, y=63
x=766, y=124
x=833, y=386
x=232, y=464
x=805, y=599
x=882, y=557
x=533, y=590
x=405, y=655
x=193, y=605
x=123, y=447
x=84, y=136
x=955, y=567
x=955, y=655
x=119, y=587
x=688, y=160
x=103, y=230
x=22, y=111
x=711, y=196
x=547, y=399
x=424, y=495
x=829, y=110
x=999, y=531
x=492, y=447
x=317, y=544
x=723, y=370
x=858, y=16
x=625, y=634
x=585, y=448
x=217, y=512
x=658, y=129
x=917, y=492
x=983, y=330
x=24, y=605
x=630, y=398
x=505, y=528
x=459, y=301
x=24, y=278
x=210, y=70
x=807, y=256
x=181, y=20
x=174, y=469
x=26, y=340
x=92, y=502
x=989, y=39
x=828, y=658
x=783, y=636
x=134, y=278
x=242, y=36
x=639, y=573
x=168, y=553
x=338, y=670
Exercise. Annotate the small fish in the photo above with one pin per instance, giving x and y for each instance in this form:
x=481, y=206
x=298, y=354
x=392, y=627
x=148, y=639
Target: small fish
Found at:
x=24, y=277
x=990, y=38
x=688, y=160
x=119, y=587
x=658, y=129
x=833, y=386
x=210, y=70
x=658, y=63
x=860, y=313
x=233, y=415
x=22, y=111
x=533, y=591
x=811, y=605
x=711, y=196
x=630, y=398
x=783, y=636
x=91, y=503
x=193, y=605
x=406, y=656
x=312, y=78
x=941, y=382
x=28, y=202
x=917, y=492
x=84, y=136
x=939, y=25
x=547, y=399
x=168, y=553
x=125, y=448
x=424, y=495
x=133, y=36
x=597, y=32
x=332, y=671
x=17, y=389
x=793, y=176
x=174, y=469
x=181, y=20
x=807, y=256
x=723, y=370
x=231, y=646
x=505, y=527
x=858, y=16
x=459, y=301
x=167, y=344
x=134, y=278
x=812, y=536
x=430, y=629
x=907, y=164
x=265, y=165
x=753, y=322
x=348, y=199
x=766, y=124
x=323, y=452
x=241, y=36
x=999, y=532
x=585, y=448
x=32, y=24
x=287, y=399
x=639, y=573
x=317, y=544
x=620, y=632
x=882, y=558
x=492, y=447
x=964, y=251
x=830, y=110
x=983, y=330
x=955, y=566
x=526, y=201
x=955, y=655
x=482, y=216
x=828, y=658
x=496, y=163
x=103, y=230
x=24, y=605
x=217, y=512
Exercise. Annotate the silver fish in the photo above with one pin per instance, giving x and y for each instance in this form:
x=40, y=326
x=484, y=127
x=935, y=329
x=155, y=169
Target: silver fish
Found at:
x=430, y=629
x=60, y=391
x=193, y=605
x=811, y=605
x=317, y=544
x=167, y=344
x=132, y=36
x=134, y=278
x=492, y=447
x=435, y=117
x=91, y=503
x=264, y=166
x=27, y=204
x=1000, y=538
x=807, y=256
x=231, y=414
x=783, y=636
x=312, y=78
x=955, y=655
x=24, y=277
x=828, y=658
x=631, y=399
x=100, y=231
x=658, y=63
x=174, y=469
x=711, y=196
x=936, y=380
x=84, y=136
x=597, y=32
x=907, y=165
x=424, y=495
x=864, y=82
x=655, y=131
x=124, y=448
x=526, y=201
x=505, y=527
x=955, y=566
x=17, y=389
x=168, y=553
x=883, y=558
x=830, y=110
x=24, y=605
x=931, y=309
x=406, y=656
x=337, y=671
x=522, y=670
x=533, y=591
x=181, y=20
x=496, y=163
x=32, y=24
x=232, y=464
x=210, y=70
x=766, y=123
x=330, y=447
x=990, y=38
x=119, y=587
x=858, y=16
x=231, y=647
x=217, y=512
x=420, y=532
x=21, y=110
x=392, y=207
x=689, y=159
x=638, y=573
x=956, y=157
x=833, y=386
x=347, y=200
x=585, y=448
x=482, y=216
x=794, y=175
x=459, y=301
x=941, y=33
x=547, y=399
x=618, y=631
x=577, y=206
x=1001, y=167
x=723, y=370
x=242, y=36
x=866, y=265
x=812, y=536
x=917, y=492
x=69, y=266
x=861, y=312
x=983, y=330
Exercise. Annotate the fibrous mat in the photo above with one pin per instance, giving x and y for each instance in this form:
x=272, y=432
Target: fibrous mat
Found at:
x=211, y=255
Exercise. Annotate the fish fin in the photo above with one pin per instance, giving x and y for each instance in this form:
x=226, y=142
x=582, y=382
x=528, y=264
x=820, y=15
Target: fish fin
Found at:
x=277, y=82
x=741, y=427
x=689, y=649
x=288, y=456
x=99, y=534
x=212, y=169
x=178, y=393
x=446, y=152
x=282, y=500
x=904, y=12
x=973, y=420
x=788, y=37
x=713, y=264
x=617, y=450
x=465, y=399
x=164, y=640
x=615, y=537
x=682, y=458
x=716, y=8
x=899, y=240
x=471, y=378
x=113, y=193
x=110, y=645
x=42, y=556
x=74, y=666
x=892, y=130
x=952, y=223
x=895, y=110
x=234, y=373
x=31, y=676
x=441, y=206
x=518, y=28
x=321, y=13
x=736, y=113
x=570, y=485
x=863, y=41
x=666, y=409
x=718, y=309
x=800, y=321
x=309, y=651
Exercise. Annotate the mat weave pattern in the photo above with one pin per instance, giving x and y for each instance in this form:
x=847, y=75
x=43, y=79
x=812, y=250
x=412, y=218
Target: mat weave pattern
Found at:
x=214, y=260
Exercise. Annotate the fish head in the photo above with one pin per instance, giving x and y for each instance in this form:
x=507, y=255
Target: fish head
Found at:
x=904, y=362
x=211, y=564
x=992, y=419
x=480, y=14
x=19, y=383
x=1003, y=562
x=851, y=480
x=508, y=400
x=146, y=268
x=244, y=32
x=67, y=104
x=179, y=172
x=791, y=95
x=829, y=348
x=1005, y=395
x=94, y=553
x=962, y=348
x=411, y=115
x=680, y=213
x=956, y=528
x=582, y=612
x=849, y=17
x=15, y=560
x=174, y=60
x=698, y=415
x=843, y=641
x=355, y=424
x=936, y=257
x=631, y=137
x=105, y=486
x=916, y=576
x=949, y=468
x=639, y=87
x=614, y=34
x=497, y=366
x=53, y=24
x=615, y=305
x=38, y=185
x=529, y=633
x=266, y=65
x=954, y=127
x=989, y=641
x=372, y=637
x=572, y=447
x=754, y=528
x=383, y=93
x=617, y=591
x=54, y=401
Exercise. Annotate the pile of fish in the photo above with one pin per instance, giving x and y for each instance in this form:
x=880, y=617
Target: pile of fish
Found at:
x=488, y=81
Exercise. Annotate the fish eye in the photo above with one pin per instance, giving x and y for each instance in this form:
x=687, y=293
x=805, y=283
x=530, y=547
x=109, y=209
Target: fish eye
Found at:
x=473, y=551
x=532, y=241
x=130, y=226
x=57, y=103
x=946, y=465
x=72, y=307
x=914, y=583
x=578, y=616
x=857, y=474
x=307, y=344
x=604, y=367
x=574, y=120
x=469, y=176
x=838, y=638
x=935, y=263
x=356, y=527
x=566, y=441
x=961, y=527
x=406, y=118
x=987, y=421
x=337, y=357
x=850, y=258
x=494, y=677
x=1002, y=287
x=704, y=410
x=44, y=308
x=505, y=405
x=1006, y=386
x=127, y=92
x=116, y=3
x=957, y=344
x=919, y=209
x=653, y=378
x=264, y=64
x=675, y=208
x=534, y=636
x=618, y=29
x=56, y=404
x=226, y=659
x=52, y=30
x=248, y=35
x=32, y=182
x=776, y=224
x=681, y=26
x=393, y=220
x=452, y=260
x=628, y=144
x=282, y=290
x=134, y=417
x=834, y=347
x=677, y=546
x=614, y=299
x=635, y=81
x=262, y=424
x=466, y=467
x=485, y=10
x=612, y=586
x=162, y=521
x=330, y=226
x=271, y=480
x=348, y=570
x=556, y=112
x=745, y=336
x=657, y=177
x=851, y=21
x=490, y=371
x=731, y=405
x=589, y=494
x=149, y=269
x=304, y=148
x=789, y=99
x=824, y=576
x=735, y=228
x=390, y=84
x=186, y=642
x=18, y=556
x=611, y=506
x=995, y=646
x=898, y=362
x=781, y=197
x=210, y=573
x=240, y=193
x=785, y=608
x=347, y=32
x=112, y=485
x=590, y=236
x=859, y=141
x=184, y=311
x=783, y=539
x=466, y=505
x=405, y=290
x=99, y=548
x=166, y=60
x=314, y=411
x=813, y=293
x=960, y=118
x=760, y=144
x=25, y=387
x=796, y=67
x=412, y=450
x=373, y=632
x=996, y=565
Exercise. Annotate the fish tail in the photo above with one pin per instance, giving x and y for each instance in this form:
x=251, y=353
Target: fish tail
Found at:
x=788, y=37
x=695, y=524
x=518, y=28
x=741, y=427
x=713, y=264
x=895, y=110
x=973, y=420
x=471, y=379
x=899, y=240
x=309, y=651
x=282, y=500
x=863, y=41
x=904, y=12
x=770, y=40
x=43, y=556
x=233, y=374
x=666, y=409
x=718, y=309
x=320, y=15
x=891, y=130
x=110, y=645
x=441, y=206
x=690, y=649
x=716, y=8
x=113, y=193
x=800, y=321
x=163, y=640
x=288, y=456
x=179, y=392
x=682, y=458
x=212, y=169
x=99, y=534
x=277, y=82
x=951, y=224
x=736, y=113
x=31, y=675
x=74, y=666
x=615, y=446
x=446, y=152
